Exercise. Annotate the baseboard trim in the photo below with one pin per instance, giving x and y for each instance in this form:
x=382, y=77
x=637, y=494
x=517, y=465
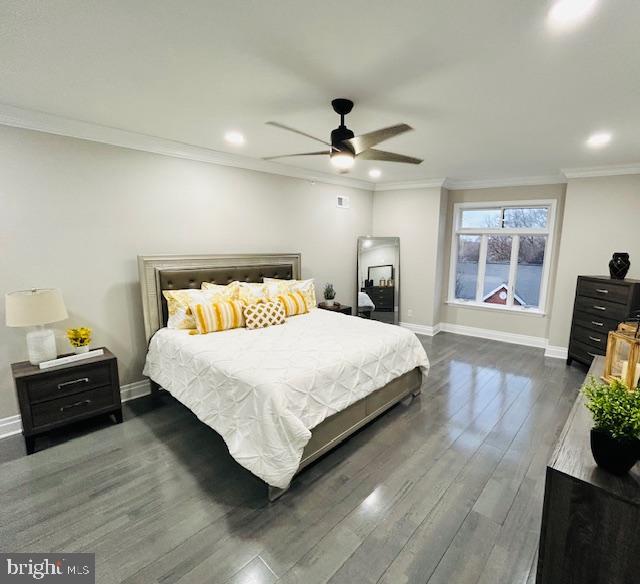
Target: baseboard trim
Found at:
x=504, y=337
x=10, y=426
x=556, y=352
x=422, y=329
x=13, y=424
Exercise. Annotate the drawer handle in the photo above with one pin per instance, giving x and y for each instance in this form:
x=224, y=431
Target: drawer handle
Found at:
x=599, y=307
x=68, y=383
x=84, y=402
x=597, y=323
x=596, y=339
x=602, y=291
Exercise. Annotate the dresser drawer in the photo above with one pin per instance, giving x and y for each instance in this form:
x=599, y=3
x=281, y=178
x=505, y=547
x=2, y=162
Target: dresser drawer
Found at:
x=591, y=338
x=582, y=352
x=606, y=291
x=69, y=382
x=595, y=323
x=602, y=308
x=72, y=406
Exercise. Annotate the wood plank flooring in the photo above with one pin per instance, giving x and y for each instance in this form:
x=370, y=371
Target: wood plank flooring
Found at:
x=447, y=489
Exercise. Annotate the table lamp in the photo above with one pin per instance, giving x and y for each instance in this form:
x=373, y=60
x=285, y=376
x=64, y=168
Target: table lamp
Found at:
x=35, y=308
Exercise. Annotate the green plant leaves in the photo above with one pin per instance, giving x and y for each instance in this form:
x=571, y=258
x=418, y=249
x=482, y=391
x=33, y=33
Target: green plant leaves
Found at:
x=615, y=409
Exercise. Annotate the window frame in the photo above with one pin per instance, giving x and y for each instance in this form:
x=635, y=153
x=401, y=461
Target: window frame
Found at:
x=548, y=231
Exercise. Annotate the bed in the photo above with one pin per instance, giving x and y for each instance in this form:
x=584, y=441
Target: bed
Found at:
x=282, y=396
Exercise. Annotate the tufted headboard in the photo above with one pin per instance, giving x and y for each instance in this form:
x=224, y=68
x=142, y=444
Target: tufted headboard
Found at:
x=158, y=273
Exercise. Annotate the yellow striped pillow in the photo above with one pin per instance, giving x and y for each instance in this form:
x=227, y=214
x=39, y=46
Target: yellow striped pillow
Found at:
x=294, y=303
x=218, y=316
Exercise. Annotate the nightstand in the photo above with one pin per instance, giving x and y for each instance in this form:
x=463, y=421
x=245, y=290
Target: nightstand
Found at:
x=55, y=397
x=342, y=308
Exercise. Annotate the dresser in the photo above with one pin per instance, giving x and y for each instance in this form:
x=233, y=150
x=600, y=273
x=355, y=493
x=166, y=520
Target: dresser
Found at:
x=590, y=518
x=601, y=304
x=55, y=397
x=382, y=296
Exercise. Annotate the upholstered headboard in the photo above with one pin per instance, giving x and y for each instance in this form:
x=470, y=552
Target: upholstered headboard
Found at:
x=158, y=273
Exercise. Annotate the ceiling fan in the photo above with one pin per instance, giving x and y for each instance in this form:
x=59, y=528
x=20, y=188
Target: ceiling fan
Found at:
x=345, y=147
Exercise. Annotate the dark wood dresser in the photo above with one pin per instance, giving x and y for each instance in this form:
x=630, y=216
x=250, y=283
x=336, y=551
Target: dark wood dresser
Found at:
x=55, y=397
x=601, y=304
x=382, y=296
x=590, y=518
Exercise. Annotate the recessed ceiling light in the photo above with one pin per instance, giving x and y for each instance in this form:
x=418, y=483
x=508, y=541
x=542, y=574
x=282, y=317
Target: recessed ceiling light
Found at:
x=235, y=138
x=375, y=173
x=599, y=139
x=565, y=13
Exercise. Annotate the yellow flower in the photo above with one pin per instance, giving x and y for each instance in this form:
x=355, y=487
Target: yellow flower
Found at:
x=79, y=337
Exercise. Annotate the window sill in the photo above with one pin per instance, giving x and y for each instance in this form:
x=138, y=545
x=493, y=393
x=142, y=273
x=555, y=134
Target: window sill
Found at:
x=497, y=307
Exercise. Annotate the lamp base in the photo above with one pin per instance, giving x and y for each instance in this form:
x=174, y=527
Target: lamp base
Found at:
x=41, y=345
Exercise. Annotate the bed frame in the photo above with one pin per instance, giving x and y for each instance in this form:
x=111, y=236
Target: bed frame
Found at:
x=175, y=272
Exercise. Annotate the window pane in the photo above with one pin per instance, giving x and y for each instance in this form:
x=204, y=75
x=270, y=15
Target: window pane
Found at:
x=481, y=218
x=523, y=217
x=496, y=278
x=467, y=266
x=529, y=274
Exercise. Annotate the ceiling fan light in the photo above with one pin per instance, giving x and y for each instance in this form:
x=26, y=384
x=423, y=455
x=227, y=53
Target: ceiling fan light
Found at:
x=342, y=160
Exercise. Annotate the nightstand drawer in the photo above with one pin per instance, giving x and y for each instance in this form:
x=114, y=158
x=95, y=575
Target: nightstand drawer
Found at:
x=584, y=353
x=69, y=382
x=72, y=406
x=605, y=290
x=602, y=308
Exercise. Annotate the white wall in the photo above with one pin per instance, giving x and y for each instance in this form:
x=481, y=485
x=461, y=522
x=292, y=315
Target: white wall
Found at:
x=602, y=215
x=75, y=214
x=415, y=216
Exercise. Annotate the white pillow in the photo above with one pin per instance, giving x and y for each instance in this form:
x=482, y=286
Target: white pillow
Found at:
x=306, y=287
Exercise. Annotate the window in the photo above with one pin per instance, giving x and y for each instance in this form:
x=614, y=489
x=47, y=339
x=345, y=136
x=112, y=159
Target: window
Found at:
x=500, y=254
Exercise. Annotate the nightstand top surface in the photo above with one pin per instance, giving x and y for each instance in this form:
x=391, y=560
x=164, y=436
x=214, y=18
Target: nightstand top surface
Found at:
x=336, y=306
x=26, y=369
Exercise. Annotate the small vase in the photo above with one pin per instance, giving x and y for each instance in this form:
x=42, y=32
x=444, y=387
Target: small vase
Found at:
x=81, y=350
x=328, y=302
x=616, y=456
x=619, y=265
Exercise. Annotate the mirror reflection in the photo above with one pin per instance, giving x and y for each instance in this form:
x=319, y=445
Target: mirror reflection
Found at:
x=379, y=278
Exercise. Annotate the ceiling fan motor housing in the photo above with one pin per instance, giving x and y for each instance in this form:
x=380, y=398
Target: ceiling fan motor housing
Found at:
x=338, y=136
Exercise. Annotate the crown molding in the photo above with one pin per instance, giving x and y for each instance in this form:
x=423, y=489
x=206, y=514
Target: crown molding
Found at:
x=595, y=171
x=520, y=181
x=411, y=184
x=53, y=124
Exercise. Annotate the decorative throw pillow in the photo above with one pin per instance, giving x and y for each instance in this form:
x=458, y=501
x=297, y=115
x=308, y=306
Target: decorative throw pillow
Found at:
x=252, y=292
x=218, y=316
x=305, y=286
x=219, y=288
x=179, y=302
x=264, y=314
x=294, y=303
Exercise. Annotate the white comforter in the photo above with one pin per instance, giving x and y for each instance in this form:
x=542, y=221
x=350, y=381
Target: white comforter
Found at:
x=264, y=390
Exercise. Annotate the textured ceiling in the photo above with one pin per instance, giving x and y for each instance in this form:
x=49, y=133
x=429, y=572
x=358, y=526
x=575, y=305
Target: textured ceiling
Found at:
x=490, y=89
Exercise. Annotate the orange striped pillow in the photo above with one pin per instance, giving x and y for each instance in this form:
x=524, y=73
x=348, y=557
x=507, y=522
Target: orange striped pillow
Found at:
x=218, y=316
x=294, y=303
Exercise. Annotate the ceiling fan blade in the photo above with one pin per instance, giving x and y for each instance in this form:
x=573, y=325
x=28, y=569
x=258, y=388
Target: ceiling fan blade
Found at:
x=283, y=127
x=365, y=141
x=323, y=153
x=373, y=154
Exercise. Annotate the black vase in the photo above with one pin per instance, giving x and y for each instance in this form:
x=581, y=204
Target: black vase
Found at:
x=619, y=265
x=616, y=456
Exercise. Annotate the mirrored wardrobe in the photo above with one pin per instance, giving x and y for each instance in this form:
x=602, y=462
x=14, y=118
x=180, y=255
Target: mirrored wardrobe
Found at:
x=379, y=278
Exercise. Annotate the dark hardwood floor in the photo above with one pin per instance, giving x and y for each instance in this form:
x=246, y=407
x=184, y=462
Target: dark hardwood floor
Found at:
x=447, y=489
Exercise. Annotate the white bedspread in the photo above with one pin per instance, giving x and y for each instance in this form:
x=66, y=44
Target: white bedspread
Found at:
x=264, y=390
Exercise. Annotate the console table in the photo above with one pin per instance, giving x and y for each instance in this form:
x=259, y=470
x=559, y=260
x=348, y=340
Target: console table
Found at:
x=590, y=518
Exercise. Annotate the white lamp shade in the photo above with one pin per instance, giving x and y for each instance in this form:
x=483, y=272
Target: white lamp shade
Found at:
x=34, y=307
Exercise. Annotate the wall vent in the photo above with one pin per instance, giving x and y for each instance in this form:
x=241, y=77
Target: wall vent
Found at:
x=343, y=201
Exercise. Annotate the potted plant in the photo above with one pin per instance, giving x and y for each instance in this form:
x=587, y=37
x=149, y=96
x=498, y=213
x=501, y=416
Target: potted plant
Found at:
x=616, y=424
x=329, y=294
x=80, y=339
